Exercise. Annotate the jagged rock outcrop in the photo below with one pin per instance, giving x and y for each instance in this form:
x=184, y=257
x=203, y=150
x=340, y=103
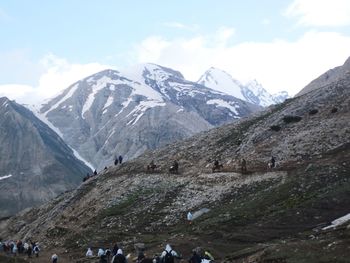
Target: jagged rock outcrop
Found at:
x=148, y=106
x=262, y=215
x=35, y=163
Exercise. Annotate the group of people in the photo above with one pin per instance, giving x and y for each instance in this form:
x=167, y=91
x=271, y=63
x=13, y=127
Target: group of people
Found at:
x=217, y=166
x=105, y=255
x=167, y=256
x=174, y=167
x=119, y=159
x=20, y=248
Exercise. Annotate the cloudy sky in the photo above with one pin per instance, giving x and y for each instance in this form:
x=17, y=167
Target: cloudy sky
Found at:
x=284, y=44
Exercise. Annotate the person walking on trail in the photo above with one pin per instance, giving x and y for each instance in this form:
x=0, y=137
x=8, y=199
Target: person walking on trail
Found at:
x=116, y=161
x=36, y=250
x=89, y=253
x=115, y=249
x=54, y=258
x=174, y=168
x=168, y=255
x=100, y=252
x=119, y=257
x=272, y=163
x=189, y=217
x=195, y=258
x=243, y=165
x=120, y=158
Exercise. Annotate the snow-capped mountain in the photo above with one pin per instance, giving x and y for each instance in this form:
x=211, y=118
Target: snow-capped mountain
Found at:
x=252, y=91
x=147, y=106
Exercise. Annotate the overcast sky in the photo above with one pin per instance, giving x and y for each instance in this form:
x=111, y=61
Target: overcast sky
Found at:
x=47, y=45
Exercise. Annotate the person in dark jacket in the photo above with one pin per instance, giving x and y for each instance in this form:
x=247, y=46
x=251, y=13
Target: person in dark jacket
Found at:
x=195, y=258
x=119, y=257
x=120, y=158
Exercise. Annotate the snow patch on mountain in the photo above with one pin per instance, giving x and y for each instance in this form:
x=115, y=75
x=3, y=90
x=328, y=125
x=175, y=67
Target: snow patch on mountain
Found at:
x=100, y=84
x=109, y=102
x=5, y=177
x=67, y=96
x=225, y=104
x=140, y=109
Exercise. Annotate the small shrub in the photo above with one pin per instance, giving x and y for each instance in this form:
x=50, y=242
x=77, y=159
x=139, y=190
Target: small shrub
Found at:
x=275, y=128
x=291, y=118
x=313, y=112
x=334, y=110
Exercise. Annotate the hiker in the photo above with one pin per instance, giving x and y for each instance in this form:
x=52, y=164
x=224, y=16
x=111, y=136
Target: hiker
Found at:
x=174, y=168
x=243, y=165
x=116, y=161
x=140, y=257
x=89, y=253
x=120, y=158
x=103, y=258
x=168, y=255
x=208, y=255
x=217, y=166
x=108, y=253
x=272, y=163
x=54, y=258
x=156, y=259
x=95, y=172
x=119, y=257
x=151, y=166
x=195, y=258
x=14, y=249
x=115, y=249
x=100, y=252
x=36, y=250
x=189, y=217
x=29, y=251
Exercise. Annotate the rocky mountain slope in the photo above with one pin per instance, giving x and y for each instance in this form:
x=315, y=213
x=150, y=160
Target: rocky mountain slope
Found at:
x=331, y=76
x=252, y=91
x=35, y=163
x=262, y=215
x=145, y=107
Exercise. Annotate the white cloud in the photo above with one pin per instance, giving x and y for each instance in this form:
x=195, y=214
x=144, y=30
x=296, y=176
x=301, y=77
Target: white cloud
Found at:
x=320, y=12
x=16, y=91
x=179, y=25
x=278, y=65
x=58, y=75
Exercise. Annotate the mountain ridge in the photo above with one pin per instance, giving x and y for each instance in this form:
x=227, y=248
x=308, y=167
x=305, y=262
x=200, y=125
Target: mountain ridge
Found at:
x=148, y=106
x=252, y=91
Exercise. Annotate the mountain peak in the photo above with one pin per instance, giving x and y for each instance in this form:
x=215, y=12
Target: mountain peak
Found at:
x=153, y=71
x=220, y=80
x=252, y=91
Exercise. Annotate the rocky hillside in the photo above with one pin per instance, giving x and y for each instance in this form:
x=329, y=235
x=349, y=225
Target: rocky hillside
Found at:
x=148, y=106
x=331, y=76
x=262, y=215
x=35, y=164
